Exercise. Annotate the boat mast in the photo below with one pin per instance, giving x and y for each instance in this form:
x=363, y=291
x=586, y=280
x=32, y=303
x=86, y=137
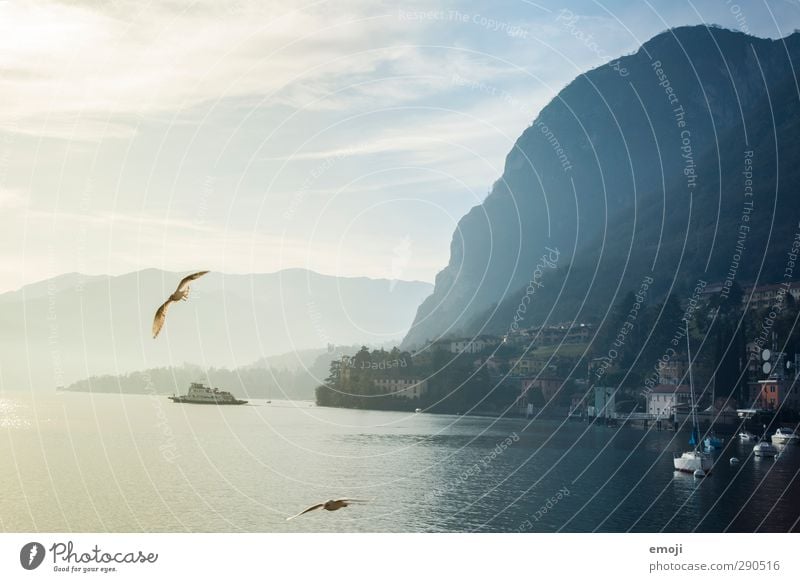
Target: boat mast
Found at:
x=695, y=430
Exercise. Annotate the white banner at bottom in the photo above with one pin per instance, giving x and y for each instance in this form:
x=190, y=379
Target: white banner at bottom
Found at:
x=378, y=557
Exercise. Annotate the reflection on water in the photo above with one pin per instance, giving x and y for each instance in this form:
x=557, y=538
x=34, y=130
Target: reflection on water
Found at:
x=78, y=462
x=12, y=414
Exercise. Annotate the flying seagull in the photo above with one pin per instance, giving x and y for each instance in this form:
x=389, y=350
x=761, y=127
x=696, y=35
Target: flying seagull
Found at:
x=181, y=294
x=330, y=505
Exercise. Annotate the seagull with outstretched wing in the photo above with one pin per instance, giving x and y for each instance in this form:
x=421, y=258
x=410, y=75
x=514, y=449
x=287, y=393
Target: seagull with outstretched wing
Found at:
x=330, y=505
x=181, y=294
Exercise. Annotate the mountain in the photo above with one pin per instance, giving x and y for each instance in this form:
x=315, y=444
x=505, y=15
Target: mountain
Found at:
x=635, y=169
x=55, y=332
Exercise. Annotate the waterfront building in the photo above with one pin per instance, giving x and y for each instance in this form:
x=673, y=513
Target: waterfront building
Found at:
x=774, y=394
x=605, y=404
x=664, y=399
x=402, y=387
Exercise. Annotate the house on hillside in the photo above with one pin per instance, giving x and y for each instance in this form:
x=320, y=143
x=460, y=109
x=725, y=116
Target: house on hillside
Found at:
x=548, y=386
x=762, y=296
x=673, y=371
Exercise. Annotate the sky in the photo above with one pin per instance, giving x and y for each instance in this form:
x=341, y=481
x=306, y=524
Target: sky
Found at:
x=345, y=137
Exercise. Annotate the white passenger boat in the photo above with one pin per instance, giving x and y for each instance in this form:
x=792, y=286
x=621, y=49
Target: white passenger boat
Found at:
x=202, y=394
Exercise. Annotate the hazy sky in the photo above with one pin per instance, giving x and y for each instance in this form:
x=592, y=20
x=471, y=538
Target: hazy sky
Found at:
x=346, y=137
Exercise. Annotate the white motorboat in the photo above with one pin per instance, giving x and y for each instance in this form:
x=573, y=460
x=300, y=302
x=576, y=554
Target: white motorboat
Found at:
x=785, y=436
x=693, y=460
x=764, y=449
x=747, y=437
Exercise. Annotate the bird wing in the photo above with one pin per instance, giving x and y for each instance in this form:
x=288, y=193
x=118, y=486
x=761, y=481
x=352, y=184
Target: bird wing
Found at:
x=160, y=318
x=312, y=508
x=348, y=500
x=188, y=279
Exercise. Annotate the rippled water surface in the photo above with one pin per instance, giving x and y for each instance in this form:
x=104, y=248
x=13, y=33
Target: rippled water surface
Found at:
x=81, y=462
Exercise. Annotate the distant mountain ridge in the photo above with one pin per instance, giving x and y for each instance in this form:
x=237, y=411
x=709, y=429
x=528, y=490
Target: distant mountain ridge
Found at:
x=58, y=331
x=656, y=147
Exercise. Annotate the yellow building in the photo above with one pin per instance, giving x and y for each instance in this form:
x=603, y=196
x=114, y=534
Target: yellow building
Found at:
x=403, y=387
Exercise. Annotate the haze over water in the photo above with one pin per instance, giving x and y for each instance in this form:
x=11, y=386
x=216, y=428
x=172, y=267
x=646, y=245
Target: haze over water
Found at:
x=125, y=463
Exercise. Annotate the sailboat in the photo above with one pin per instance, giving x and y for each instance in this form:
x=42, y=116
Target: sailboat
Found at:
x=693, y=461
x=712, y=441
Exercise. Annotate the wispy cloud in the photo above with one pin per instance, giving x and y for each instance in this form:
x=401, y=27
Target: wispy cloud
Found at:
x=95, y=62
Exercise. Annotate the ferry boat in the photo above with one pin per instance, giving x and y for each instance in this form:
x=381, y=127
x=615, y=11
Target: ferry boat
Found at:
x=201, y=394
x=785, y=436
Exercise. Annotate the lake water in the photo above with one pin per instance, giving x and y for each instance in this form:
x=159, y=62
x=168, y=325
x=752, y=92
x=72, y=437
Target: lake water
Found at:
x=124, y=463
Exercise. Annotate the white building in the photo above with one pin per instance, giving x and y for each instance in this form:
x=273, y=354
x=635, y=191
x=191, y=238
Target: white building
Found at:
x=663, y=399
x=472, y=345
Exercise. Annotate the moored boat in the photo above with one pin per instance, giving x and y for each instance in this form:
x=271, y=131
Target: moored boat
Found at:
x=764, y=449
x=747, y=437
x=785, y=436
x=691, y=461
